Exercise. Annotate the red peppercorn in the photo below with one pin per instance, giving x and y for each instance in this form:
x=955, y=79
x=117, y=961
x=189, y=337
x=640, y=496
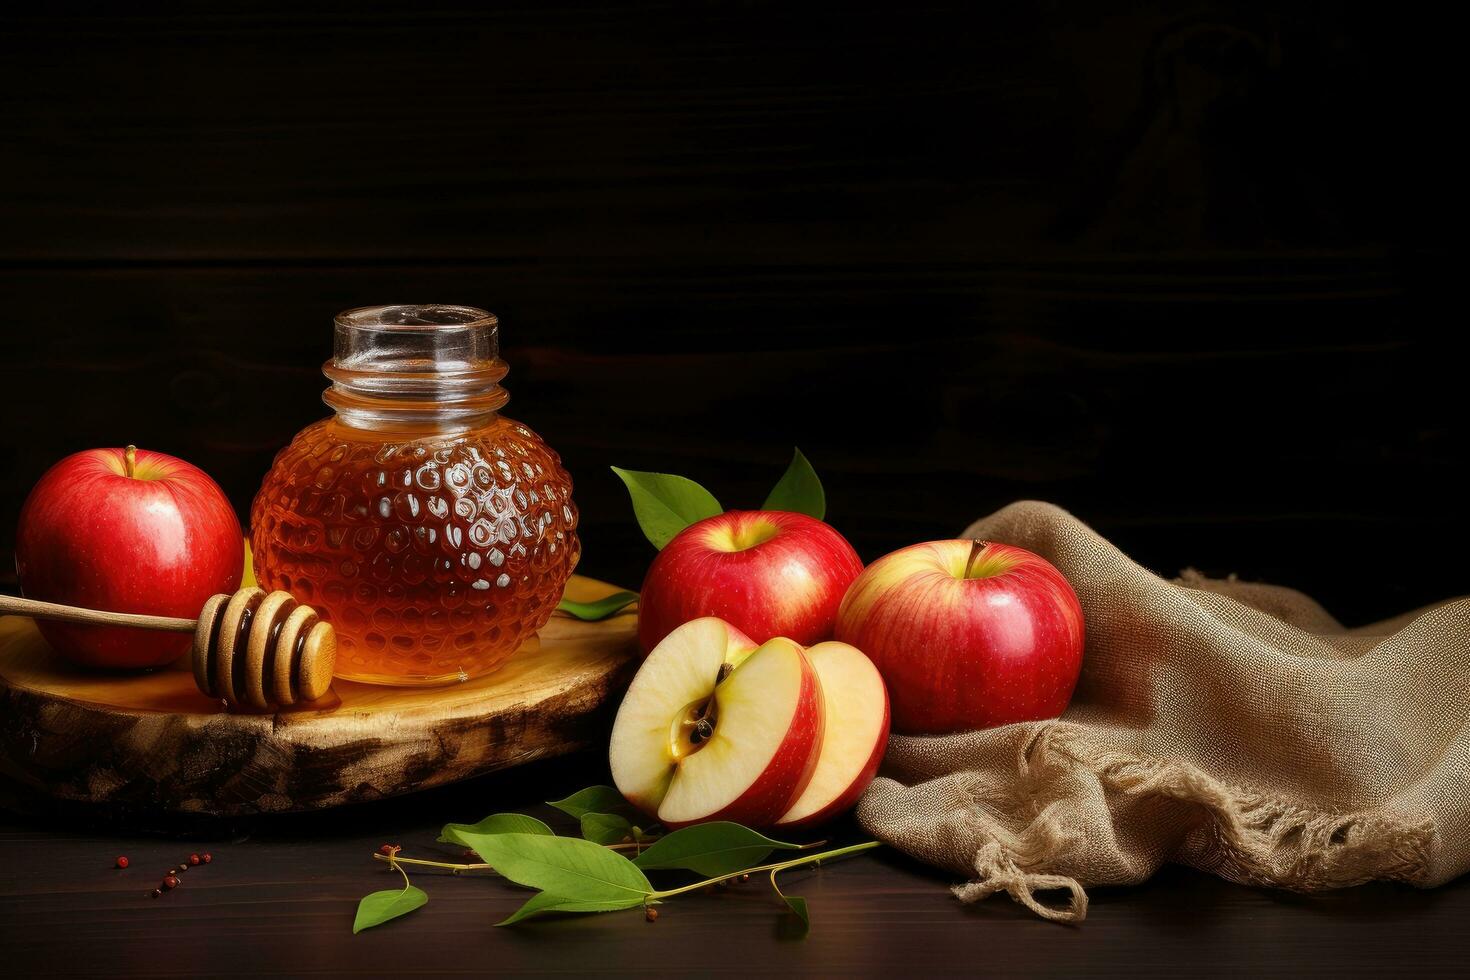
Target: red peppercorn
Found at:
x=650, y=913
x=170, y=882
x=193, y=859
x=387, y=849
x=122, y=862
x=207, y=858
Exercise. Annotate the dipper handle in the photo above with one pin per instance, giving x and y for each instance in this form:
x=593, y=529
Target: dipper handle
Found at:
x=37, y=609
x=250, y=649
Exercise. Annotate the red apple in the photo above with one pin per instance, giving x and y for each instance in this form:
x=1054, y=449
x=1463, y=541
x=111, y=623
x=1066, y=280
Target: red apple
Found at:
x=126, y=531
x=769, y=573
x=715, y=728
x=966, y=634
x=855, y=723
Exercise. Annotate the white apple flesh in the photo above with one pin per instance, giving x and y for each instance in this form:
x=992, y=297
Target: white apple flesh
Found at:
x=855, y=705
x=715, y=728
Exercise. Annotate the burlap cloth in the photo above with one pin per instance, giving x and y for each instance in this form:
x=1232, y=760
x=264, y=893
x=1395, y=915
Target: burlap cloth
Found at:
x=1232, y=727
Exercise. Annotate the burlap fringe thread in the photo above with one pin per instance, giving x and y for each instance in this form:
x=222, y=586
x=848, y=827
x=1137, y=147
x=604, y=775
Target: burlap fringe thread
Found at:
x=1253, y=839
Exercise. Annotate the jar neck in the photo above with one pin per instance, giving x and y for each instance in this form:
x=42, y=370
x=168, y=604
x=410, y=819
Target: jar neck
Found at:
x=418, y=367
x=442, y=402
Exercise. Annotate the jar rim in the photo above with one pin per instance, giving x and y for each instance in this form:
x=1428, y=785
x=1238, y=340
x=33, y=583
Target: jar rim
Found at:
x=401, y=317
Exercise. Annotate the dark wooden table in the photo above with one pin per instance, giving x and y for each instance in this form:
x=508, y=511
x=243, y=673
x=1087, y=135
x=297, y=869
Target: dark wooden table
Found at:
x=279, y=898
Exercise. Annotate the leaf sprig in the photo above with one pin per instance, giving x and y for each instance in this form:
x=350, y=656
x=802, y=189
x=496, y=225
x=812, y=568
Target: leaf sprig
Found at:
x=598, y=609
x=591, y=874
x=666, y=504
x=379, y=907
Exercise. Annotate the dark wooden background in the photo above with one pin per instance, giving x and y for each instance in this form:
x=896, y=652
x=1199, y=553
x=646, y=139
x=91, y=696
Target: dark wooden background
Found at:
x=1182, y=268
x=1176, y=268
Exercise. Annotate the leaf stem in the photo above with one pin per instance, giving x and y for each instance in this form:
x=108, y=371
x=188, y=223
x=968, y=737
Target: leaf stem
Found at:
x=779, y=866
x=394, y=865
x=395, y=861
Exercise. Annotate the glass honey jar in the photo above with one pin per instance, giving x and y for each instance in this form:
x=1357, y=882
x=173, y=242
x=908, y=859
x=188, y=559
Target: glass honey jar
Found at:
x=433, y=532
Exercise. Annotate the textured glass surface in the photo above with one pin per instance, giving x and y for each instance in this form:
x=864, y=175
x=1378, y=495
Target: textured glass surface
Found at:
x=433, y=556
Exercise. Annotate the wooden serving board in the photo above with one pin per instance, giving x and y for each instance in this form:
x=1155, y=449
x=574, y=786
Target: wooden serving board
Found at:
x=152, y=744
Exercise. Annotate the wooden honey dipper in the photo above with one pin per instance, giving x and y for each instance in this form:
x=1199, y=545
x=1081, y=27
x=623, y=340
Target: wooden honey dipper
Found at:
x=251, y=648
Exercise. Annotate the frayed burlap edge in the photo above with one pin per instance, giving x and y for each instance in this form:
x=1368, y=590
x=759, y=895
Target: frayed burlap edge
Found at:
x=1253, y=838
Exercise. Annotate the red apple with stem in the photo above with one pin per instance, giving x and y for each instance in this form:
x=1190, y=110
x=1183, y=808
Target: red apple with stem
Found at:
x=126, y=530
x=967, y=634
x=769, y=573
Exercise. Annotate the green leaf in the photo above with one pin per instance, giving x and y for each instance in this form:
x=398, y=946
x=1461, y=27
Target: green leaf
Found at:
x=796, y=904
x=710, y=849
x=666, y=504
x=798, y=490
x=379, y=907
x=547, y=902
x=496, y=823
x=567, y=866
x=593, y=799
x=590, y=612
x=606, y=828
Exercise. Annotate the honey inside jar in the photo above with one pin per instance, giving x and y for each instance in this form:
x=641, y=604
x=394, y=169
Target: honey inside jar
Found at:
x=433, y=532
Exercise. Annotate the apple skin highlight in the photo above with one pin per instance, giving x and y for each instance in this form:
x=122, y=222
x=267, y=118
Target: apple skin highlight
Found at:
x=155, y=536
x=960, y=652
x=769, y=573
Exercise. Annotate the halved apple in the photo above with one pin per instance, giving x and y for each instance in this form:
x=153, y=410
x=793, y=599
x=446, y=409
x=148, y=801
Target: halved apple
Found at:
x=855, y=706
x=715, y=728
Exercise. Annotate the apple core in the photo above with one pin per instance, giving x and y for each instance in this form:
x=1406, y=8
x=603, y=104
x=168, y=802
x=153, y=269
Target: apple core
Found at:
x=695, y=725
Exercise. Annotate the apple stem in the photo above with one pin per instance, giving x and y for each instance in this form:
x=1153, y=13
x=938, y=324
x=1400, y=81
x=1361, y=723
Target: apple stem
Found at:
x=976, y=546
x=130, y=460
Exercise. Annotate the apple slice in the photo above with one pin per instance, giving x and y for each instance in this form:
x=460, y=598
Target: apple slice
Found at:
x=855, y=708
x=716, y=728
